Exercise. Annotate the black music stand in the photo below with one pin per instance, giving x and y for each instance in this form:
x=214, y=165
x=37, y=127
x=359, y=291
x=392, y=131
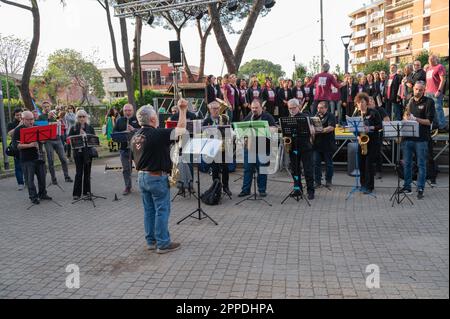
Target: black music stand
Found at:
x=39, y=134
x=356, y=126
x=400, y=130
x=295, y=128
x=201, y=214
x=83, y=141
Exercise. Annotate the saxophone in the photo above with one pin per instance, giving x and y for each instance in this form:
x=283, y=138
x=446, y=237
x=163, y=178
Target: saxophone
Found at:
x=363, y=140
x=175, y=172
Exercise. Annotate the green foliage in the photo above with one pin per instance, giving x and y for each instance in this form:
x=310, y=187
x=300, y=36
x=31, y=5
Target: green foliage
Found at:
x=423, y=57
x=147, y=98
x=372, y=66
x=300, y=72
x=15, y=103
x=261, y=69
x=119, y=103
x=314, y=66
x=13, y=90
x=69, y=67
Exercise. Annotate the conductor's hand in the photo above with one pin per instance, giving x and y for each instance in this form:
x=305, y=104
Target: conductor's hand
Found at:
x=182, y=105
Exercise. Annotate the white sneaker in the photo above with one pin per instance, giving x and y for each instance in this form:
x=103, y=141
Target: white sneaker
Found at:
x=20, y=187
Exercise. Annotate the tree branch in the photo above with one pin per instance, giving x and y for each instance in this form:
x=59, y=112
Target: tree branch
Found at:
x=16, y=5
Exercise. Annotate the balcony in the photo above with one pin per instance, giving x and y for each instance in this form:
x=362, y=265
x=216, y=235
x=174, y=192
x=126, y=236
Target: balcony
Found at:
x=398, y=5
x=399, y=20
x=400, y=36
x=377, y=28
x=398, y=52
x=358, y=47
x=359, y=21
x=427, y=12
x=376, y=43
x=377, y=15
x=360, y=60
x=426, y=28
x=359, y=34
x=426, y=45
x=376, y=57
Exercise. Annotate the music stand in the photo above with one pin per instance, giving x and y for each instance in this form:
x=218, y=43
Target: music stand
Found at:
x=399, y=129
x=356, y=125
x=199, y=147
x=39, y=134
x=295, y=128
x=253, y=129
x=79, y=142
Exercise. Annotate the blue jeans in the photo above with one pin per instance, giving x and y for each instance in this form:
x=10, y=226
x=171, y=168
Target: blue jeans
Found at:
x=421, y=151
x=18, y=171
x=155, y=194
x=249, y=168
x=328, y=158
x=438, y=104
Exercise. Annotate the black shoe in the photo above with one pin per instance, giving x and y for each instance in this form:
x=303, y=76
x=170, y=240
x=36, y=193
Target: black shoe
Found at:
x=68, y=179
x=76, y=197
x=35, y=201
x=263, y=194
x=181, y=192
x=420, y=195
x=317, y=185
x=310, y=196
x=227, y=191
x=45, y=197
x=170, y=248
x=243, y=194
x=405, y=191
x=54, y=182
x=433, y=183
x=328, y=184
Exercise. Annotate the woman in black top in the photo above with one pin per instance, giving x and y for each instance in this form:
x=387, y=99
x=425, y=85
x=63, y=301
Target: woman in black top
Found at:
x=212, y=90
x=373, y=125
x=283, y=97
x=82, y=156
x=269, y=97
x=254, y=91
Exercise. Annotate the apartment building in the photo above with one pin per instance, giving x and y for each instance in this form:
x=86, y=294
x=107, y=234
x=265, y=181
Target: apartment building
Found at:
x=397, y=30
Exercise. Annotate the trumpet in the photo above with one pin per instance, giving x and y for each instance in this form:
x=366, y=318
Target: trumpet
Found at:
x=287, y=144
x=363, y=141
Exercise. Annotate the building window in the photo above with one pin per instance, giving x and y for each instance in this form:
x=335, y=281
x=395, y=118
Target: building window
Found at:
x=151, y=78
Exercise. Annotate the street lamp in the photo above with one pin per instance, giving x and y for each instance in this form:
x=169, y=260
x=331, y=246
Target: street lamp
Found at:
x=346, y=42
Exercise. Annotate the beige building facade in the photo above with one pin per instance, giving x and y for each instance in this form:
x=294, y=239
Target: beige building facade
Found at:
x=397, y=30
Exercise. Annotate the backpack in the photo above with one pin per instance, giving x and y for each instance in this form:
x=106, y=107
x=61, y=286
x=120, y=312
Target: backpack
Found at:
x=12, y=150
x=213, y=195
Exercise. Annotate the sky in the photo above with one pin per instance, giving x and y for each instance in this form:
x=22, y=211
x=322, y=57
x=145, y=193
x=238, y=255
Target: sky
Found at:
x=292, y=27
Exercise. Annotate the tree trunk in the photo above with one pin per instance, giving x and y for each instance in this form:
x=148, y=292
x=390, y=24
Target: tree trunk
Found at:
x=224, y=46
x=8, y=96
x=137, y=72
x=247, y=32
x=203, y=40
x=126, y=58
x=233, y=59
x=31, y=59
x=113, y=40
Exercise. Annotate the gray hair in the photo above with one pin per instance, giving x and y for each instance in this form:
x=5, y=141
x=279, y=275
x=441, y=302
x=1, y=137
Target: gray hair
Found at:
x=422, y=83
x=409, y=66
x=294, y=102
x=82, y=112
x=325, y=67
x=145, y=114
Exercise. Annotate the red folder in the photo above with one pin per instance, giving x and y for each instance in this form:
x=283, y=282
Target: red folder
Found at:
x=171, y=124
x=37, y=134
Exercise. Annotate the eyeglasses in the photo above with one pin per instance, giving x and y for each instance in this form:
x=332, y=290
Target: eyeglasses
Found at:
x=81, y=116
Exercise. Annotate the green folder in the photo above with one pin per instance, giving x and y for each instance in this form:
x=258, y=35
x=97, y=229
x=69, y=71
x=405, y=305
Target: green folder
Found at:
x=253, y=128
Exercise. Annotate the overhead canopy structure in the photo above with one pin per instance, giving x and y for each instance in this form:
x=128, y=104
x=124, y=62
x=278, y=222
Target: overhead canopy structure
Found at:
x=134, y=8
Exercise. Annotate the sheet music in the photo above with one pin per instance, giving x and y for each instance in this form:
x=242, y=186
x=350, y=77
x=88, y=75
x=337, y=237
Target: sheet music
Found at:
x=205, y=147
x=407, y=129
x=355, y=122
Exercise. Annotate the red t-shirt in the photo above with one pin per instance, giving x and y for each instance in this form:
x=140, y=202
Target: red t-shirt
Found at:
x=433, y=78
x=335, y=94
x=323, y=81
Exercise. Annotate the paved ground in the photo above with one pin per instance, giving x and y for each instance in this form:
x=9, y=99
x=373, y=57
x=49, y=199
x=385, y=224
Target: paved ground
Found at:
x=257, y=251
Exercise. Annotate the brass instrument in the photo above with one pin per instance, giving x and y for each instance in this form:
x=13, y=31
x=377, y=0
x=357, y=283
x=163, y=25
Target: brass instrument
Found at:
x=175, y=173
x=287, y=144
x=363, y=141
x=224, y=107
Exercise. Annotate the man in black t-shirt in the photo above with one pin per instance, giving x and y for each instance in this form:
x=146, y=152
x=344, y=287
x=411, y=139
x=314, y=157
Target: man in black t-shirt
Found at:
x=301, y=153
x=256, y=114
x=324, y=146
x=216, y=119
x=17, y=164
x=127, y=123
x=32, y=161
x=151, y=150
x=422, y=110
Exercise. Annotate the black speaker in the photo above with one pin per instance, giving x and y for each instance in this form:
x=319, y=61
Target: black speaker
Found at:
x=175, y=52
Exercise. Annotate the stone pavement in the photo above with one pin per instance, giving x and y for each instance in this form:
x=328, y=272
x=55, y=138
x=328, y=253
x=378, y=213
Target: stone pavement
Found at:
x=257, y=251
